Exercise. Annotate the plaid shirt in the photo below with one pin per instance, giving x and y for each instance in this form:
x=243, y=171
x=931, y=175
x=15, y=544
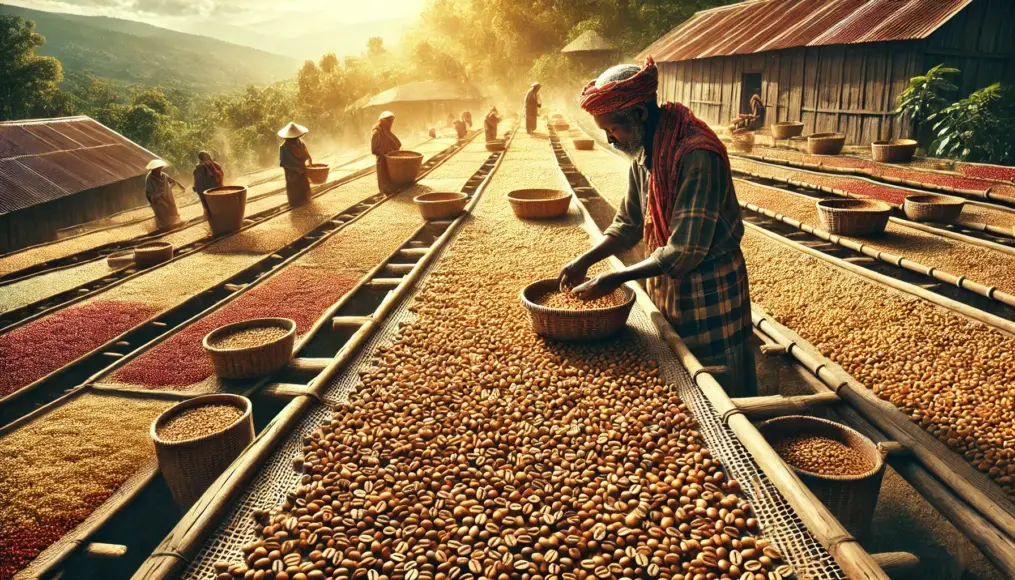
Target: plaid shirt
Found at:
x=704, y=292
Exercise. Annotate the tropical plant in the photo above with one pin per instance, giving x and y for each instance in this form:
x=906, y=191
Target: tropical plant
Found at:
x=28, y=82
x=977, y=128
x=926, y=94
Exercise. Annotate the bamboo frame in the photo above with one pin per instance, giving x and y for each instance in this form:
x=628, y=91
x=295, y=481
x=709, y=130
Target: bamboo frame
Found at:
x=201, y=519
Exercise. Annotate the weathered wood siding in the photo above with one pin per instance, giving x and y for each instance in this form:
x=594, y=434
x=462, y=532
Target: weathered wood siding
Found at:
x=851, y=89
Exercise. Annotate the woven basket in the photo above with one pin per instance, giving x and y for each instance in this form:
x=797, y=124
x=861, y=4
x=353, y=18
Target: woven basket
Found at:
x=496, y=145
x=318, y=172
x=151, y=253
x=254, y=361
x=743, y=141
x=573, y=325
x=226, y=206
x=403, y=166
x=825, y=143
x=850, y=498
x=561, y=125
x=583, y=144
x=860, y=217
x=190, y=466
x=122, y=259
x=539, y=203
x=787, y=129
x=897, y=151
x=441, y=205
x=933, y=208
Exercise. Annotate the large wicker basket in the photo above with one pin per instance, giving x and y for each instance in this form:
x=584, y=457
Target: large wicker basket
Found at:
x=441, y=205
x=318, y=172
x=850, y=498
x=573, y=325
x=825, y=143
x=584, y=143
x=151, y=253
x=743, y=141
x=787, y=129
x=933, y=208
x=403, y=166
x=121, y=259
x=226, y=206
x=191, y=465
x=859, y=217
x=496, y=145
x=254, y=361
x=539, y=203
x=897, y=151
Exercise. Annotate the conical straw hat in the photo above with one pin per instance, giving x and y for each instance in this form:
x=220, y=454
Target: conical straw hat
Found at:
x=292, y=130
x=155, y=164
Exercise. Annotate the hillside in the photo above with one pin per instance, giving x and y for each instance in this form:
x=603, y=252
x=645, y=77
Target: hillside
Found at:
x=133, y=52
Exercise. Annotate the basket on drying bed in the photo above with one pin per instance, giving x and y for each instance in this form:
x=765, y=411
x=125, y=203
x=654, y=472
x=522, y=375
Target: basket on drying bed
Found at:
x=860, y=217
x=825, y=143
x=121, y=259
x=318, y=172
x=251, y=348
x=226, y=207
x=557, y=315
x=151, y=253
x=584, y=143
x=196, y=440
x=787, y=129
x=441, y=205
x=561, y=125
x=495, y=145
x=897, y=151
x=933, y=208
x=539, y=203
x=842, y=467
x=742, y=141
x=403, y=166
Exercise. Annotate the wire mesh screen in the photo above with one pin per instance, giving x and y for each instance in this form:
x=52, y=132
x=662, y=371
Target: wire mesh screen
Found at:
x=776, y=517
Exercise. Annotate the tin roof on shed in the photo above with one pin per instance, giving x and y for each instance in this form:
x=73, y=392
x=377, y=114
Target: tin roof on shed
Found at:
x=46, y=159
x=765, y=25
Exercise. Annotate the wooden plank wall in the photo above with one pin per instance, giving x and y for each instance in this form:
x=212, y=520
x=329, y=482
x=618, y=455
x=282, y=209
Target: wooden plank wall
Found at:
x=850, y=89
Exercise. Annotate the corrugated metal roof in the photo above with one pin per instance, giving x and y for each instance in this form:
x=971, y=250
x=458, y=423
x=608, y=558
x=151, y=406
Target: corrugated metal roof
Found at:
x=764, y=25
x=46, y=159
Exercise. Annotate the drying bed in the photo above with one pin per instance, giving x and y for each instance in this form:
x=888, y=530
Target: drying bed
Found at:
x=302, y=291
x=460, y=367
x=608, y=173
x=980, y=263
x=63, y=463
x=31, y=290
x=952, y=376
x=162, y=288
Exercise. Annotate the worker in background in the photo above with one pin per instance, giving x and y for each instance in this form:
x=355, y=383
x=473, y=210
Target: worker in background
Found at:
x=294, y=157
x=382, y=142
x=757, y=114
x=158, y=188
x=681, y=201
x=432, y=133
x=533, y=102
x=490, y=124
x=467, y=117
x=461, y=128
x=207, y=175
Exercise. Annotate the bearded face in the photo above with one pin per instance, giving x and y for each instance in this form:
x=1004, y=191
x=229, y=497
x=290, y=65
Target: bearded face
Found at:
x=625, y=129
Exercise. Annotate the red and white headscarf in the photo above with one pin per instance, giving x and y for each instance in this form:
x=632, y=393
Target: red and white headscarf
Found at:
x=617, y=95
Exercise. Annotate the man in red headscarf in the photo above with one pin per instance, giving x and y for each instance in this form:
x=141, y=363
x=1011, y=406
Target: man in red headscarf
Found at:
x=681, y=202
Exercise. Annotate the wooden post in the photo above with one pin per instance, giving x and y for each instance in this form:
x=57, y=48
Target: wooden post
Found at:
x=756, y=408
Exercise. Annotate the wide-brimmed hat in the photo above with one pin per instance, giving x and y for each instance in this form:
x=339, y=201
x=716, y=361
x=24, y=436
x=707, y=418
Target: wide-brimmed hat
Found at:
x=292, y=131
x=155, y=164
x=386, y=115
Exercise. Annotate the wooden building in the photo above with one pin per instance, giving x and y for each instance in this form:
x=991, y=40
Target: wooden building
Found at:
x=835, y=65
x=59, y=173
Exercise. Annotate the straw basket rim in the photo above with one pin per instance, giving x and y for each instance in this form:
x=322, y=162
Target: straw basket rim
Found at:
x=906, y=142
x=825, y=136
x=854, y=205
x=266, y=321
x=226, y=190
x=933, y=199
x=403, y=154
x=828, y=427
x=549, y=284
x=788, y=124
x=243, y=403
x=153, y=246
x=319, y=165
x=423, y=197
x=513, y=195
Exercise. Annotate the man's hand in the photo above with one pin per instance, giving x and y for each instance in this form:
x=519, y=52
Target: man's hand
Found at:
x=573, y=274
x=601, y=285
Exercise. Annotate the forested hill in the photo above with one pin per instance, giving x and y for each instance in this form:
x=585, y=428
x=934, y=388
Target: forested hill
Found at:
x=136, y=53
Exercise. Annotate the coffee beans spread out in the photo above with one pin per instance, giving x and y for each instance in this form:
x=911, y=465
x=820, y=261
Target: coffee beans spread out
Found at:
x=474, y=449
x=568, y=301
x=199, y=421
x=249, y=337
x=822, y=455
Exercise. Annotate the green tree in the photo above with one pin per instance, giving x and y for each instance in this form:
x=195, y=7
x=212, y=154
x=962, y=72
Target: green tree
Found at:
x=28, y=82
x=977, y=128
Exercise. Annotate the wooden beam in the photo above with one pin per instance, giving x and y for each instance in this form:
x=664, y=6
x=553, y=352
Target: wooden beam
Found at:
x=106, y=551
x=779, y=405
x=306, y=364
x=847, y=112
x=896, y=564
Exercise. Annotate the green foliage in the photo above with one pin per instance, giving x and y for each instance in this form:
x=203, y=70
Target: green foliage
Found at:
x=927, y=94
x=28, y=82
x=977, y=128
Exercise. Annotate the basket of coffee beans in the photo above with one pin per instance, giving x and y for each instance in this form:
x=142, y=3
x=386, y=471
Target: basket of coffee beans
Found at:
x=560, y=315
x=251, y=348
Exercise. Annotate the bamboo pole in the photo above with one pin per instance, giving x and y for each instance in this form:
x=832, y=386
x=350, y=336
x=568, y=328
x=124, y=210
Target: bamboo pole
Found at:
x=756, y=408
